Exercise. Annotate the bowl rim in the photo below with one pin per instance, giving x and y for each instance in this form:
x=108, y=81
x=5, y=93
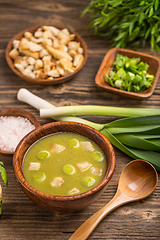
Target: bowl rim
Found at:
x=141, y=95
x=15, y=112
x=21, y=179
x=37, y=81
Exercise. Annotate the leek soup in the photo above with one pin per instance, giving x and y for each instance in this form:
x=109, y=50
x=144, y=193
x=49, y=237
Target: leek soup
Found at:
x=64, y=164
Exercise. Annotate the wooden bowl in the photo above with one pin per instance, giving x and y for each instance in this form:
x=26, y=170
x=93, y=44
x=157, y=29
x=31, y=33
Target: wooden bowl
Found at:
x=109, y=58
x=64, y=204
x=15, y=112
x=55, y=81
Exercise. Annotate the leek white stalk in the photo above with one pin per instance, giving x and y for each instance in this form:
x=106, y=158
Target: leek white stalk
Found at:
x=97, y=110
x=25, y=96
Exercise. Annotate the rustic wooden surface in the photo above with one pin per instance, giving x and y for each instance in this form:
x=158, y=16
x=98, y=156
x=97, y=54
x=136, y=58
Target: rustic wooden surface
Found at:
x=21, y=218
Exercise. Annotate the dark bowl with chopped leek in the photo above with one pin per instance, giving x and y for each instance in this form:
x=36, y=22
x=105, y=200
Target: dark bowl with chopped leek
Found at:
x=128, y=73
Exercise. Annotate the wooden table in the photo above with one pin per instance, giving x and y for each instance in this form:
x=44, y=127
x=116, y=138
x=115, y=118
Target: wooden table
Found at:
x=21, y=218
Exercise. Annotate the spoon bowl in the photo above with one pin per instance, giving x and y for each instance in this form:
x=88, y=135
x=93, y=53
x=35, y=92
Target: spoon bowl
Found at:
x=137, y=181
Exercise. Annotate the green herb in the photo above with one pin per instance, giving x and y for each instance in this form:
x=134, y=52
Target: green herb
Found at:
x=5, y=179
x=0, y=200
x=129, y=74
x=126, y=21
x=3, y=173
x=138, y=137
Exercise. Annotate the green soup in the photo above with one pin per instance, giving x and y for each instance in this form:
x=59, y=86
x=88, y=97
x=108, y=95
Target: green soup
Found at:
x=64, y=164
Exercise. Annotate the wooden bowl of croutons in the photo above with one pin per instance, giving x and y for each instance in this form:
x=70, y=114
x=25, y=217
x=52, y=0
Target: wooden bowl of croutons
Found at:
x=46, y=55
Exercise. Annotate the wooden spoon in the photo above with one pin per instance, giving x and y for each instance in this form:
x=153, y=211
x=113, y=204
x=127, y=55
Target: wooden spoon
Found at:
x=137, y=181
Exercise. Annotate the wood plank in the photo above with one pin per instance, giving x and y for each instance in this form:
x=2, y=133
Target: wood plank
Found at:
x=21, y=218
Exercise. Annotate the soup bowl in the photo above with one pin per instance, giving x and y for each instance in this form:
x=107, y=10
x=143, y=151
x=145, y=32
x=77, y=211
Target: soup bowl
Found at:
x=64, y=204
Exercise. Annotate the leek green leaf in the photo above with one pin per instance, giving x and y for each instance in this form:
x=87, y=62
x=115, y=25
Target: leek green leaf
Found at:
x=153, y=120
x=150, y=156
x=134, y=129
x=155, y=141
x=137, y=142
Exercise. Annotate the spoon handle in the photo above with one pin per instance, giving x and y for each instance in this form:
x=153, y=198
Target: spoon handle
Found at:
x=90, y=224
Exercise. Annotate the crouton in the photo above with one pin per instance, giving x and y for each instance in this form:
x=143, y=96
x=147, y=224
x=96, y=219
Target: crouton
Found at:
x=38, y=33
x=73, y=191
x=19, y=67
x=57, y=182
x=78, y=59
x=31, y=60
x=86, y=145
x=37, y=40
x=53, y=73
x=34, y=166
x=47, y=34
x=47, y=65
x=43, y=53
x=83, y=166
x=40, y=74
x=57, y=53
x=28, y=35
x=65, y=63
x=14, y=53
x=29, y=53
x=57, y=148
x=54, y=30
x=73, y=45
x=97, y=171
x=16, y=44
x=18, y=59
x=38, y=64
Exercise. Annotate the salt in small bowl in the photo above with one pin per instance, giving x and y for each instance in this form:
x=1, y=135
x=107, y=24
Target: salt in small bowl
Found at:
x=15, y=112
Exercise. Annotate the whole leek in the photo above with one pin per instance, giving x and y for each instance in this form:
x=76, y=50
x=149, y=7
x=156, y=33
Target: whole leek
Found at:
x=97, y=110
x=138, y=135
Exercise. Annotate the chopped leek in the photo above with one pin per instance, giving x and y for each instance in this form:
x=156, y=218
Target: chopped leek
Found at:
x=88, y=181
x=68, y=169
x=129, y=74
x=43, y=155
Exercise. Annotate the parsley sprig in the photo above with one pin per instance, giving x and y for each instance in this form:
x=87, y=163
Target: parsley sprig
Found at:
x=126, y=21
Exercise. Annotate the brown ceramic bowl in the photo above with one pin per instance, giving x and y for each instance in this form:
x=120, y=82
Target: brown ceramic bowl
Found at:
x=64, y=204
x=55, y=81
x=15, y=112
x=154, y=69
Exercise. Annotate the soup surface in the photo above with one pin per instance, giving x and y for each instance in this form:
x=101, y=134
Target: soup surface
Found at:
x=64, y=164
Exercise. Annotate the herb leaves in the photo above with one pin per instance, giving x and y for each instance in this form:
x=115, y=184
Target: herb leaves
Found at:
x=126, y=21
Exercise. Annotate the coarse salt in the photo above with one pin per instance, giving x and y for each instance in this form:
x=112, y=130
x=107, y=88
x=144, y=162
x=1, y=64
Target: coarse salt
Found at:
x=12, y=130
